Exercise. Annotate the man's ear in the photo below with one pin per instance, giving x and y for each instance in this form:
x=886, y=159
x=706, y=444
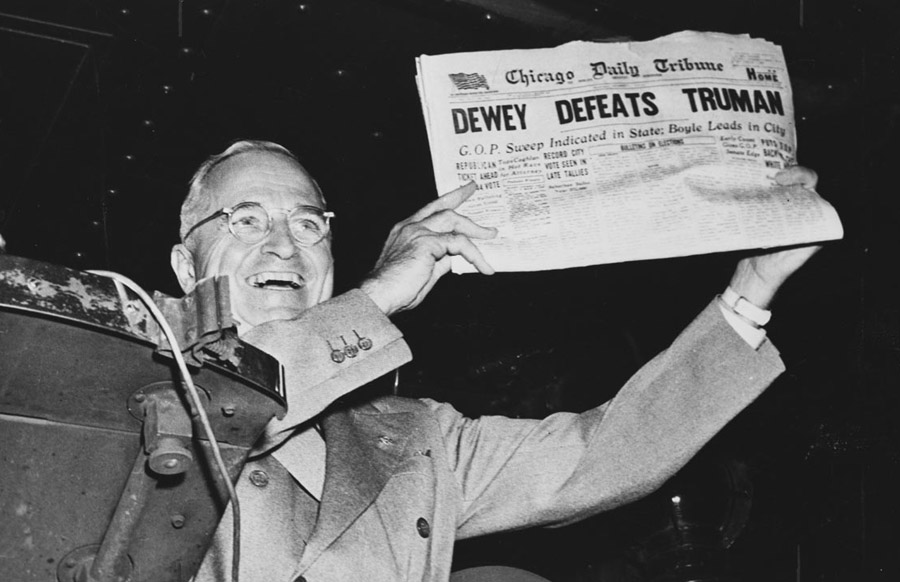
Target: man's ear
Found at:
x=183, y=265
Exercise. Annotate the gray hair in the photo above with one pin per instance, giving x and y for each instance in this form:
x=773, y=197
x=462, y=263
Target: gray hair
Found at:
x=197, y=205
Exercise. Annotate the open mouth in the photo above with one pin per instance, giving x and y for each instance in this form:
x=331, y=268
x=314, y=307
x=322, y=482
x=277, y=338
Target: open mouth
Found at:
x=276, y=281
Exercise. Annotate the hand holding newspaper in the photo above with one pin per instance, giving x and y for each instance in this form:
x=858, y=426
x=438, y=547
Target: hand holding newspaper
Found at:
x=593, y=153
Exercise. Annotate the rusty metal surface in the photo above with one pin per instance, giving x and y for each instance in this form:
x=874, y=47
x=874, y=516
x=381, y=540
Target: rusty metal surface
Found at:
x=73, y=371
x=90, y=299
x=51, y=291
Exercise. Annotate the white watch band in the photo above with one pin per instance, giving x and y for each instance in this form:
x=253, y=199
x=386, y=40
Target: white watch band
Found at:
x=744, y=308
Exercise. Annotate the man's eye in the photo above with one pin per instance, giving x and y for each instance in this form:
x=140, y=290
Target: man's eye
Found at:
x=248, y=222
x=306, y=224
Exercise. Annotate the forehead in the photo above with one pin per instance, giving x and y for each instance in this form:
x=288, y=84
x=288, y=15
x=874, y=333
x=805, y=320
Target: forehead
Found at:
x=265, y=177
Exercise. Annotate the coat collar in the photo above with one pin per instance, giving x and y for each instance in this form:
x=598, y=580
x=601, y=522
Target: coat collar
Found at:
x=363, y=447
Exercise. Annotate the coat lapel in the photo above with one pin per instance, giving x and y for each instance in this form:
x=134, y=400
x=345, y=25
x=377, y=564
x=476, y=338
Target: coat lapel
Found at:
x=362, y=449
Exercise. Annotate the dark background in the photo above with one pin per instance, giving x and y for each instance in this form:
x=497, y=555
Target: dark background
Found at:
x=107, y=106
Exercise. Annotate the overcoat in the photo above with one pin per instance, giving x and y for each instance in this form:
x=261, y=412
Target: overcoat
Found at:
x=405, y=478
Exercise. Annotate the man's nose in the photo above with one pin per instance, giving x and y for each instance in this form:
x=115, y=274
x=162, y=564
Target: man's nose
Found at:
x=279, y=241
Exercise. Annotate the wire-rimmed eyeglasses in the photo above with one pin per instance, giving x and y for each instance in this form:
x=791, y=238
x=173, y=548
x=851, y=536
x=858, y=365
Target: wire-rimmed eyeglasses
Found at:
x=250, y=222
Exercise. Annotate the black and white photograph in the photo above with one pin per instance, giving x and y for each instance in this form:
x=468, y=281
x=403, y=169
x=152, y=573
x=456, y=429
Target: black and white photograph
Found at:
x=449, y=291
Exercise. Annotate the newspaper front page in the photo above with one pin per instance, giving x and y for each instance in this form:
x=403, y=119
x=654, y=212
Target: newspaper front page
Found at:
x=592, y=153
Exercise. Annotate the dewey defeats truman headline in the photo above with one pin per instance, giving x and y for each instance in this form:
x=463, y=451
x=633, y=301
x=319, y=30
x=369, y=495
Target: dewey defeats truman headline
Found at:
x=609, y=105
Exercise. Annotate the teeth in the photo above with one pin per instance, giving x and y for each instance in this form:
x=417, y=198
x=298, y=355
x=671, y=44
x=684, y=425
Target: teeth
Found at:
x=273, y=279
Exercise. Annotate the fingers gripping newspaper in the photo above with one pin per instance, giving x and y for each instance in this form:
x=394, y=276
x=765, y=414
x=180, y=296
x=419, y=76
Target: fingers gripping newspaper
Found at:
x=594, y=153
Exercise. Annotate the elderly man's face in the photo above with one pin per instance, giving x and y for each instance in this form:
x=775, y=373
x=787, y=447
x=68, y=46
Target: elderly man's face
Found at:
x=259, y=273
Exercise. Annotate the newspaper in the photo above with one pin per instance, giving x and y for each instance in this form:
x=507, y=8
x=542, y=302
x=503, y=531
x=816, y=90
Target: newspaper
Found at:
x=592, y=153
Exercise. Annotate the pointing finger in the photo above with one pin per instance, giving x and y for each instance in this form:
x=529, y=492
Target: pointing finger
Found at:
x=448, y=201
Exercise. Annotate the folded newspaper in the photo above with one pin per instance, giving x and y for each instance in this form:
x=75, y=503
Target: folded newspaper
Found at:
x=592, y=153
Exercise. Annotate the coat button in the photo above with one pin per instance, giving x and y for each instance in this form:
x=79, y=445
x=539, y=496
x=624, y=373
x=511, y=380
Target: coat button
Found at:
x=423, y=528
x=337, y=356
x=259, y=478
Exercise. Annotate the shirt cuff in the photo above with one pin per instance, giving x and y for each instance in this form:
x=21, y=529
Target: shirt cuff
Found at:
x=754, y=336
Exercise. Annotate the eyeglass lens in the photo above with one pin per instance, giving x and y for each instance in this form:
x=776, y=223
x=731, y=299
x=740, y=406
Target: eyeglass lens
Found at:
x=251, y=223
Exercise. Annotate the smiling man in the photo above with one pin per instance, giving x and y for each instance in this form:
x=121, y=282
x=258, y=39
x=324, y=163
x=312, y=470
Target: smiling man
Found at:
x=380, y=491
x=277, y=268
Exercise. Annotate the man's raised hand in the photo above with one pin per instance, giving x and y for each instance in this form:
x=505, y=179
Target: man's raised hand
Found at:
x=758, y=278
x=418, y=250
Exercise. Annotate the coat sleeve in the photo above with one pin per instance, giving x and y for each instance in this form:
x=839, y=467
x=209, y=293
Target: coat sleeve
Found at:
x=328, y=351
x=520, y=473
